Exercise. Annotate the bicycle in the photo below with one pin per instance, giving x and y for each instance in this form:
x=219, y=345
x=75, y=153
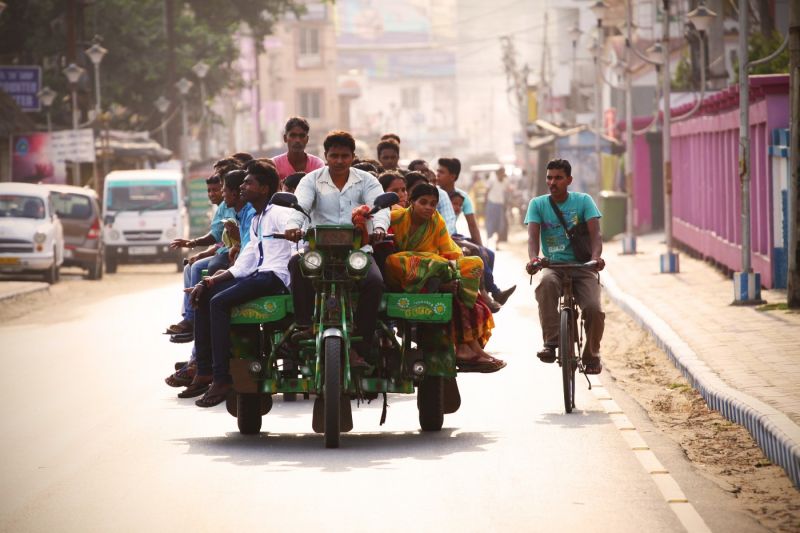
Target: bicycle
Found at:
x=570, y=334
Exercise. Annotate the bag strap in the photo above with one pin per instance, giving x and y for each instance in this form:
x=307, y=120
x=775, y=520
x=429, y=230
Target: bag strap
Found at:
x=560, y=216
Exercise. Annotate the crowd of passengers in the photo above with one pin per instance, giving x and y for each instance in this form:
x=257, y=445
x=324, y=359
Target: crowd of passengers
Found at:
x=242, y=263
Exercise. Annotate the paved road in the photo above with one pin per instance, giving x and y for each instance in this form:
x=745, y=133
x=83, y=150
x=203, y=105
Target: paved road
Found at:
x=94, y=441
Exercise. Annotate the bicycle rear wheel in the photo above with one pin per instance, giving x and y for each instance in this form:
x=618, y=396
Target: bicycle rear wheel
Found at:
x=566, y=352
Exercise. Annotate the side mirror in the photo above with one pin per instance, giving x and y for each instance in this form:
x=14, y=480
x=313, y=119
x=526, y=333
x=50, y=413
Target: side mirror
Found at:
x=387, y=199
x=287, y=199
x=108, y=220
x=284, y=199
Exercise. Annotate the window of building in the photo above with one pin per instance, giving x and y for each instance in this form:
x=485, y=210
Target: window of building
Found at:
x=409, y=97
x=310, y=103
x=308, y=49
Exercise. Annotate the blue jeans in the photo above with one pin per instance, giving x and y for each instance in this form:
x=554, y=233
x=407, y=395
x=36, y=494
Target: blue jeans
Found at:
x=192, y=274
x=212, y=321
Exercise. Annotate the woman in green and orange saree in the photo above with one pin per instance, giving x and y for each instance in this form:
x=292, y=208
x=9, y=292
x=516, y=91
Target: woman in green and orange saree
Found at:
x=428, y=261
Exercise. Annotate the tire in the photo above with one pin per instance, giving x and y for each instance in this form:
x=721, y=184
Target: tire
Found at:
x=111, y=263
x=566, y=351
x=430, y=402
x=248, y=413
x=96, y=269
x=333, y=390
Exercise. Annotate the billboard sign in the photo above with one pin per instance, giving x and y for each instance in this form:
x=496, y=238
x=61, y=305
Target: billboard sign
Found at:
x=22, y=83
x=42, y=157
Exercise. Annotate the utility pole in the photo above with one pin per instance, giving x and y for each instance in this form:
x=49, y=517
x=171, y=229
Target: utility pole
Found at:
x=793, y=290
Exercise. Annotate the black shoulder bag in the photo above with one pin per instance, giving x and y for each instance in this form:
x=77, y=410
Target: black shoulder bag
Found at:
x=578, y=235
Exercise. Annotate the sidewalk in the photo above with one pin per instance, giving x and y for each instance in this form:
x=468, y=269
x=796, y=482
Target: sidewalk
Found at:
x=742, y=360
x=12, y=289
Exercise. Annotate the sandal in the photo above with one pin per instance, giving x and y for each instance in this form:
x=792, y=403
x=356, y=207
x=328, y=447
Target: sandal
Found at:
x=184, y=326
x=483, y=366
x=215, y=395
x=183, y=377
x=198, y=386
x=592, y=365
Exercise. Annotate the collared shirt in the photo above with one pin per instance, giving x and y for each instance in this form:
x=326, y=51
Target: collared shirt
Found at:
x=263, y=253
x=445, y=208
x=223, y=212
x=326, y=204
x=285, y=168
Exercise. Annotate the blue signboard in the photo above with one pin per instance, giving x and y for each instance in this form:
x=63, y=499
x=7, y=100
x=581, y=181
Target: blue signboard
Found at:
x=22, y=84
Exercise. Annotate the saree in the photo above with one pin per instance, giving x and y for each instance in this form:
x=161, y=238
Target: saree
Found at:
x=429, y=253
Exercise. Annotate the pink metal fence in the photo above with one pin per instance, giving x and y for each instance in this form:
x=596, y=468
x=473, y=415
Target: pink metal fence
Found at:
x=706, y=198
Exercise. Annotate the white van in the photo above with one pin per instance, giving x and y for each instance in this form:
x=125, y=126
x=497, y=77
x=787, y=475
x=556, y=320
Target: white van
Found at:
x=143, y=211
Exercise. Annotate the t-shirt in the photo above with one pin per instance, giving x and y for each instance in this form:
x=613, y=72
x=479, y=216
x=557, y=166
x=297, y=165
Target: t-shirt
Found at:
x=578, y=207
x=466, y=208
x=285, y=168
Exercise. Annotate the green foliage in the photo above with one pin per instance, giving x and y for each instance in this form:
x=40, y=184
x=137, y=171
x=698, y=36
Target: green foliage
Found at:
x=134, y=72
x=682, y=80
x=762, y=46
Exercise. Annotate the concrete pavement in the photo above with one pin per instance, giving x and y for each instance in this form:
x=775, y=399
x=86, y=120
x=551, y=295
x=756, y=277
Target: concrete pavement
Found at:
x=12, y=289
x=742, y=360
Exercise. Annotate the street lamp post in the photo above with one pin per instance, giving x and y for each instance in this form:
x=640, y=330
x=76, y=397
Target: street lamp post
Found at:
x=669, y=261
x=184, y=86
x=629, y=240
x=574, y=34
x=599, y=9
x=162, y=104
x=47, y=95
x=73, y=73
x=96, y=54
x=201, y=70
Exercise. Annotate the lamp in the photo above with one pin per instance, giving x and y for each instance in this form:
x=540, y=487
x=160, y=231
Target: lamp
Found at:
x=162, y=104
x=701, y=17
x=96, y=54
x=47, y=95
x=73, y=73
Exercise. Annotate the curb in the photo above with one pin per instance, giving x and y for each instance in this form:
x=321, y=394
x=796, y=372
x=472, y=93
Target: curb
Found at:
x=776, y=434
x=35, y=287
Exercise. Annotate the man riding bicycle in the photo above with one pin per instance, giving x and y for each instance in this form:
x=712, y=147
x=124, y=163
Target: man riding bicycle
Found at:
x=544, y=224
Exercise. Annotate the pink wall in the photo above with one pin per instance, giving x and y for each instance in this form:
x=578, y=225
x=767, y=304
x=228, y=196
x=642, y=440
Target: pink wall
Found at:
x=706, y=197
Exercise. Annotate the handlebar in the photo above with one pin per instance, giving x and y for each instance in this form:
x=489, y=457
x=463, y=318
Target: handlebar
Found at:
x=588, y=264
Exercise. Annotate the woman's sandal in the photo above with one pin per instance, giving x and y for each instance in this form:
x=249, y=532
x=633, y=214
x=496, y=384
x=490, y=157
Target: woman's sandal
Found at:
x=483, y=366
x=216, y=394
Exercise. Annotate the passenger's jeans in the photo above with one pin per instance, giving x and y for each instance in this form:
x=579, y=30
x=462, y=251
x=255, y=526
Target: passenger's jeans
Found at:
x=192, y=274
x=370, y=292
x=212, y=322
x=586, y=289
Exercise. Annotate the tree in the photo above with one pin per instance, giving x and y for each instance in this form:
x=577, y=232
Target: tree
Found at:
x=134, y=72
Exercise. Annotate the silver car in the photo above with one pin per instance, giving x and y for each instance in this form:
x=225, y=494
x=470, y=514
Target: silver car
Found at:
x=31, y=235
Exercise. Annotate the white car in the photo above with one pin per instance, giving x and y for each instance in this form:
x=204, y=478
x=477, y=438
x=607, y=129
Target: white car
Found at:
x=31, y=236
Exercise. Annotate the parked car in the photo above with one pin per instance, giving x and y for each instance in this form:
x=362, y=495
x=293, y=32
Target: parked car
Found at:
x=31, y=236
x=79, y=211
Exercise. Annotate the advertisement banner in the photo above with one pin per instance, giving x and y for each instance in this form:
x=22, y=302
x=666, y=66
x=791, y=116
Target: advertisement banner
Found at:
x=32, y=160
x=42, y=157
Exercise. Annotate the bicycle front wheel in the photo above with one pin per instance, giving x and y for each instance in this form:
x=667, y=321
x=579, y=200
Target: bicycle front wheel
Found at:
x=566, y=351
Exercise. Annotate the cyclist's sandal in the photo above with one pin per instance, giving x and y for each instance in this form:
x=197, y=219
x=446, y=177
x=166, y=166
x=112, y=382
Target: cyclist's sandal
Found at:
x=547, y=354
x=592, y=364
x=484, y=366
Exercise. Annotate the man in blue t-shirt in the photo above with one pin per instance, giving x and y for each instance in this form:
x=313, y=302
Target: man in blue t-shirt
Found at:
x=544, y=225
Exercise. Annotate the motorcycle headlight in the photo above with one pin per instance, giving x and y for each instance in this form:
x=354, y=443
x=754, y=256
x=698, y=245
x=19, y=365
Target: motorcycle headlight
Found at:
x=39, y=237
x=358, y=261
x=312, y=261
